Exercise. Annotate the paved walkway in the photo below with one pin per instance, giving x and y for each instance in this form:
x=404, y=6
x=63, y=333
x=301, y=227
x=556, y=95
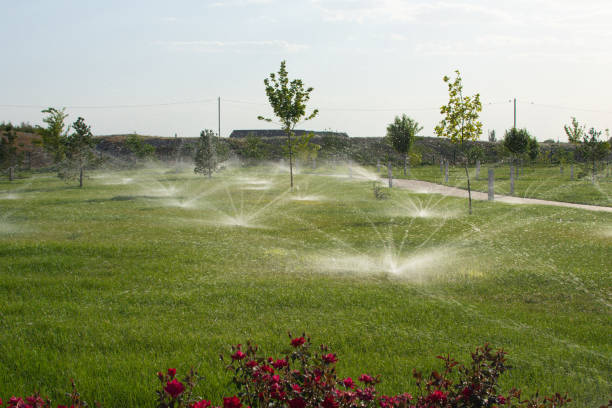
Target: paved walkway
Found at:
x=432, y=188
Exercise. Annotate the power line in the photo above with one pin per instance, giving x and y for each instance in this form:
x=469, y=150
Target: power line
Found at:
x=150, y=105
x=565, y=107
x=328, y=108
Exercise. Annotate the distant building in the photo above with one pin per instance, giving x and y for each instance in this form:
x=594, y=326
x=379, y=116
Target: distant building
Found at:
x=281, y=133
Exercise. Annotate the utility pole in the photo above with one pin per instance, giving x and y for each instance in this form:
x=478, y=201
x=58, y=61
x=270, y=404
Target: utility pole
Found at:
x=219, y=118
x=515, y=113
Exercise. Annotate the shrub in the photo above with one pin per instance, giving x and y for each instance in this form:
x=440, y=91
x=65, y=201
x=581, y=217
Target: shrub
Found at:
x=380, y=193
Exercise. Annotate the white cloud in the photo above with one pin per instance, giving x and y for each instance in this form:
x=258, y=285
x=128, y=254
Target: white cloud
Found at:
x=234, y=46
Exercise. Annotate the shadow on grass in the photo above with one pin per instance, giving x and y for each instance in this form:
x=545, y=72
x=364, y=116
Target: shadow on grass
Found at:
x=128, y=198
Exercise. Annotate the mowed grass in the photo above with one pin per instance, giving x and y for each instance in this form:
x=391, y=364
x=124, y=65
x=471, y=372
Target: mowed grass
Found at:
x=538, y=181
x=145, y=270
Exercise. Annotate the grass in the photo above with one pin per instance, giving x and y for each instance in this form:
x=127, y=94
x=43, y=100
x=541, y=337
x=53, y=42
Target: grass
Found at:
x=543, y=182
x=140, y=271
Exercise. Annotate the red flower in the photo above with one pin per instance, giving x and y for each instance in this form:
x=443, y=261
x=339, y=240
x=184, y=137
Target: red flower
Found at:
x=367, y=394
x=231, y=402
x=238, y=355
x=466, y=392
x=330, y=402
x=160, y=375
x=296, y=388
x=436, y=396
x=501, y=399
x=329, y=358
x=280, y=363
x=364, y=378
x=172, y=372
x=275, y=378
x=201, y=404
x=297, y=403
x=13, y=401
x=174, y=388
x=267, y=369
x=348, y=382
x=278, y=395
x=298, y=341
x=386, y=401
x=251, y=364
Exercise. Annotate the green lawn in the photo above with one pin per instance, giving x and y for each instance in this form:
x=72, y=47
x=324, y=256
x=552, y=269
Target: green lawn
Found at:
x=140, y=271
x=542, y=182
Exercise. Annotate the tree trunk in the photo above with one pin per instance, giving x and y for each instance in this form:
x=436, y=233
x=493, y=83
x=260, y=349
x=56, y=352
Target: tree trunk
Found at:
x=11, y=173
x=390, y=174
x=467, y=174
x=405, y=163
x=594, y=169
x=290, y=159
x=81, y=176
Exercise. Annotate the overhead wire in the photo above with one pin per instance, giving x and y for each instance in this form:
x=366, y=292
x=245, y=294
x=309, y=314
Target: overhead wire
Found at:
x=326, y=108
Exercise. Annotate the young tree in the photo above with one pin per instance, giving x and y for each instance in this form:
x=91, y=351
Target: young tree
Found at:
x=475, y=153
x=138, y=147
x=305, y=150
x=401, y=134
x=9, y=155
x=460, y=122
x=253, y=149
x=533, y=148
x=575, y=131
x=205, y=154
x=78, y=147
x=288, y=101
x=54, y=135
x=594, y=149
x=492, y=137
x=516, y=141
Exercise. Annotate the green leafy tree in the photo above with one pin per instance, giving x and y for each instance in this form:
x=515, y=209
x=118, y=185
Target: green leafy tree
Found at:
x=205, y=160
x=575, y=132
x=475, y=153
x=401, y=134
x=137, y=146
x=54, y=135
x=516, y=141
x=9, y=154
x=305, y=150
x=78, y=149
x=594, y=149
x=460, y=123
x=288, y=100
x=253, y=150
x=533, y=148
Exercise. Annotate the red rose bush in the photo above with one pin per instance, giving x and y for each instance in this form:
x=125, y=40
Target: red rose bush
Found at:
x=306, y=377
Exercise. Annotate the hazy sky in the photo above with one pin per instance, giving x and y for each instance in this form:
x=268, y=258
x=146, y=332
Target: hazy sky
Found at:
x=367, y=60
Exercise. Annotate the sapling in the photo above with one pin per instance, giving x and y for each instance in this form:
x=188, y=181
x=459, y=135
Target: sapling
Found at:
x=460, y=122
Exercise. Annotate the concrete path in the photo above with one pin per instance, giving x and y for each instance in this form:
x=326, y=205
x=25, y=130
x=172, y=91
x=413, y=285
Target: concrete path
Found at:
x=432, y=188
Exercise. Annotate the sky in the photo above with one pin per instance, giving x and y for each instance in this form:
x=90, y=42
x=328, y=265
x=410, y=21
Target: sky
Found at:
x=158, y=67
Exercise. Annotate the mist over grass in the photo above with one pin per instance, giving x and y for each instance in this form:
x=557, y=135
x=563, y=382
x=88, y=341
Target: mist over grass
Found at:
x=148, y=269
